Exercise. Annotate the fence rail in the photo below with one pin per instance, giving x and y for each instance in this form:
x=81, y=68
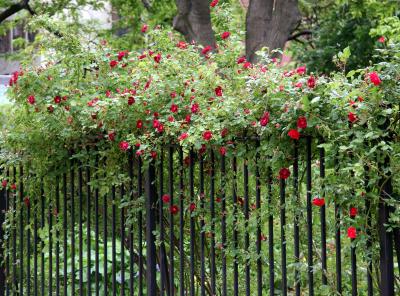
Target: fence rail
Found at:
x=192, y=223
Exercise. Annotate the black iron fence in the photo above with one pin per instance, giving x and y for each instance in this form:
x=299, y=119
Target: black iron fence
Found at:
x=194, y=223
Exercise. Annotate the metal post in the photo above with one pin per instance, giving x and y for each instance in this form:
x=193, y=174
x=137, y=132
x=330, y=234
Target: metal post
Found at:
x=2, y=218
x=151, y=254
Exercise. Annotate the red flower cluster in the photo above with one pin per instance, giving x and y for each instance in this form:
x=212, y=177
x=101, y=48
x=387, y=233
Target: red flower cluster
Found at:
x=284, y=173
x=218, y=91
x=302, y=122
x=264, y=119
x=351, y=232
x=353, y=212
x=183, y=136
x=352, y=117
x=225, y=35
x=374, y=77
x=311, y=82
x=294, y=134
x=174, y=209
x=214, y=3
x=31, y=100
x=124, y=145
x=206, y=49
x=319, y=202
x=113, y=63
x=207, y=135
x=4, y=183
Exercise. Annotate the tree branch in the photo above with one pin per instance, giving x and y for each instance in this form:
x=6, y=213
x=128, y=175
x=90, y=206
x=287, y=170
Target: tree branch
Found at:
x=297, y=35
x=13, y=9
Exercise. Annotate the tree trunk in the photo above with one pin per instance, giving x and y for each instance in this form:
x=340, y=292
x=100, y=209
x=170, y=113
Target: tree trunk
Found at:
x=269, y=23
x=194, y=21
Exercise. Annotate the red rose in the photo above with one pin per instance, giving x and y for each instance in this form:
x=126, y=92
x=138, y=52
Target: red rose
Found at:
x=31, y=100
x=111, y=136
x=206, y=49
x=153, y=154
x=174, y=108
x=319, y=202
x=241, y=60
x=302, y=122
x=374, y=77
x=139, y=124
x=173, y=209
x=124, y=145
x=156, y=123
x=247, y=65
x=50, y=109
x=113, y=63
x=27, y=202
x=222, y=151
x=381, y=39
x=195, y=108
x=121, y=55
x=188, y=118
x=160, y=128
x=4, y=183
x=166, y=198
x=224, y=132
x=207, y=135
x=352, y=117
x=57, y=99
x=214, y=3
x=173, y=94
x=202, y=149
x=171, y=118
x=351, y=232
x=284, y=173
x=294, y=134
x=157, y=58
x=311, y=82
x=218, y=91
x=192, y=207
x=183, y=136
x=298, y=85
x=144, y=28
x=353, y=212
x=131, y=101
x=301, y=70
x=182, y=45
x=13, y=186
x=264, y=119
x=225, y=35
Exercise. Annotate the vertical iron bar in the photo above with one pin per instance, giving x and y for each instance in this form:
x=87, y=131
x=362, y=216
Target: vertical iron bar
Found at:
x=235, y=232
x=7, y=196
x=246, y=216
x=96, y=232
x=212, y=210
x=65, y=225
x=353, y=269
x=131, y=251
x=88, y=230
x=80, y=193
x=368, y=231
x=309, y=221
x=151, y=252
x=192, y=224
x=72, y=226
x=140, y=222
x=163, y=263
x=122, y=292
x=56, y=212
x=21, y=231
x=28, y=246
x=202, y=234
x=385, y=237
x=113, y=243
x=283, y=235
x=296, y=217
x=258, y=207
x=223, y=226
x=270, y=236
x=323, y=218
x=35, y=250
x=14, y=235
x=3, y=241
x=105, y=240
x=181, y=230
x=51, y=206
x=338, y=245
x=42, y=225
x=171, y=219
